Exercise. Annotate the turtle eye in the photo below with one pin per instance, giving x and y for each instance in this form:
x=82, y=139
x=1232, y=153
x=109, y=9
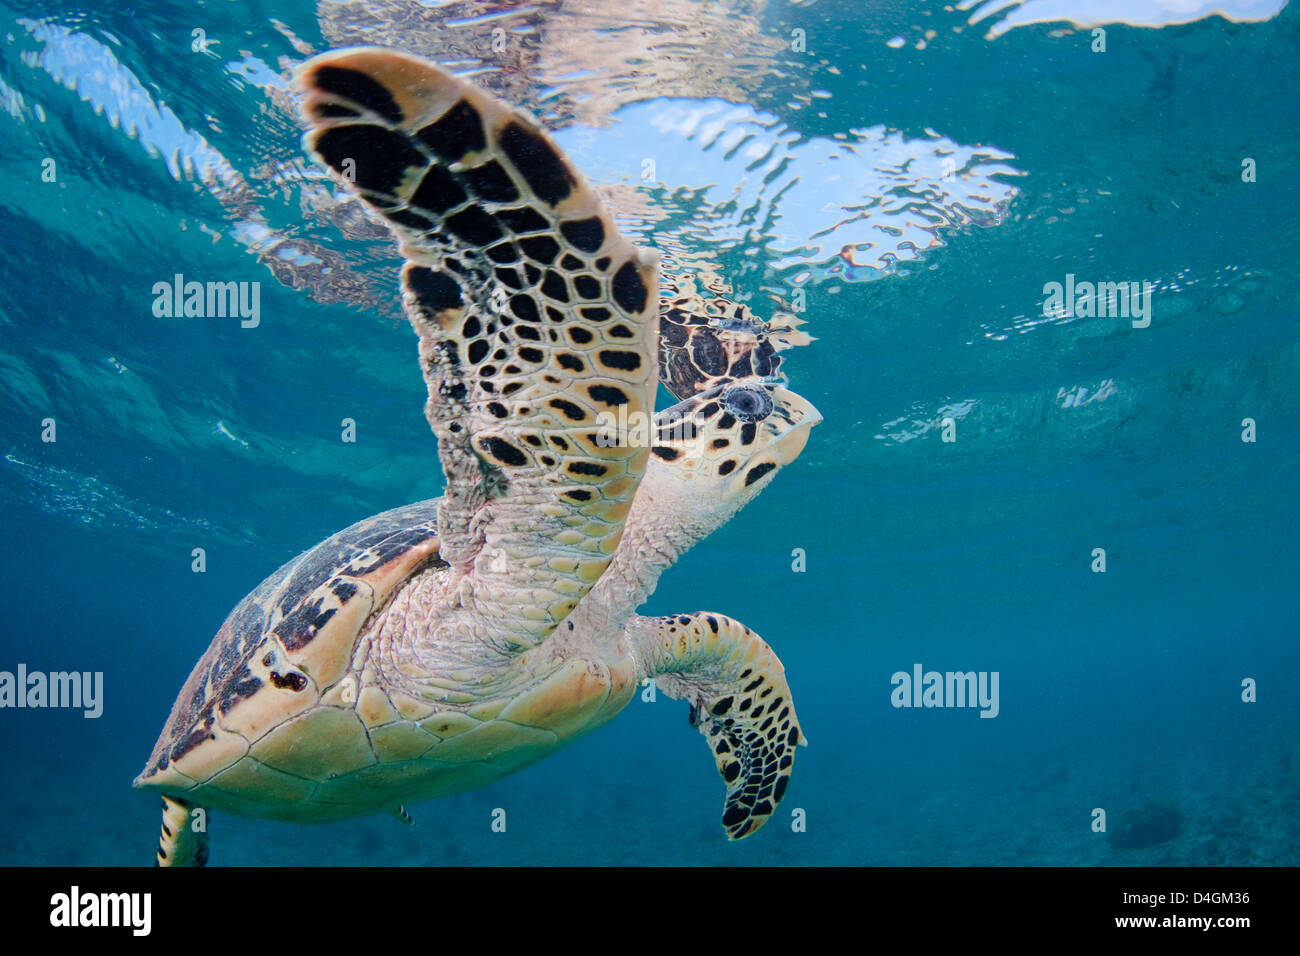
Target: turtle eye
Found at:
x=749, y=403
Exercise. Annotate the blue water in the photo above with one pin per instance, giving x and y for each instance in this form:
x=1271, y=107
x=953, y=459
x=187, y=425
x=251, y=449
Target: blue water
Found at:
x=919, y=191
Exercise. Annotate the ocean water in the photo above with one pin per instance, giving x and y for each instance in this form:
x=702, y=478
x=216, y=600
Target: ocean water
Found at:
x=907, y=179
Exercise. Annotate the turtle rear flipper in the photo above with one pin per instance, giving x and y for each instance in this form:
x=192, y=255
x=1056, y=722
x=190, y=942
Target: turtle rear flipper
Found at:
x=180, y=843
x=740, y=702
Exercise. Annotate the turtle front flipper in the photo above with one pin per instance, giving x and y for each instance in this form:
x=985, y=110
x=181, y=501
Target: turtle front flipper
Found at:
x=180, y=844
x=740, y=701
x=536, y=319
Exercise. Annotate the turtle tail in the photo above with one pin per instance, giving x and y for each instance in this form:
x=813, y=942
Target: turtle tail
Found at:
x=739, y=699
x=184, y=838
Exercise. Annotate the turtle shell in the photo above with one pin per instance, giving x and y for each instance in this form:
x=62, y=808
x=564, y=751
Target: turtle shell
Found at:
x=296, y=632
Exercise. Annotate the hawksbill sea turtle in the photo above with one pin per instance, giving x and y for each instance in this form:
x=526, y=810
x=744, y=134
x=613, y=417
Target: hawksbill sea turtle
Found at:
x=437, y=647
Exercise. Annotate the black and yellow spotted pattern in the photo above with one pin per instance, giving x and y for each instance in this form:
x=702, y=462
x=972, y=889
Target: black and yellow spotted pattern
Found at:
x=534, y=315
x=740, y=701
x=731, y=431
x=183, y=841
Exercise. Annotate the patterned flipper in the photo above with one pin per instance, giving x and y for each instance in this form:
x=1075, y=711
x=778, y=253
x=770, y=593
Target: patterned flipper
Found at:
x=739, y=699
x=179, y=843
x=534, y=315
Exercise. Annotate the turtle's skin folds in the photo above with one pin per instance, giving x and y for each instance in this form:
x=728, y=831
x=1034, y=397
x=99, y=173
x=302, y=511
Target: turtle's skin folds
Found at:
x=433, y=648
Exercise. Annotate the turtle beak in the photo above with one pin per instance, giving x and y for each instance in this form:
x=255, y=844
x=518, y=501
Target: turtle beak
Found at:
x=789, y=446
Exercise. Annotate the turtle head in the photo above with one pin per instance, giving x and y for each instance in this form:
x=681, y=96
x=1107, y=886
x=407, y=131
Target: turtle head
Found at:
x=724, y=445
